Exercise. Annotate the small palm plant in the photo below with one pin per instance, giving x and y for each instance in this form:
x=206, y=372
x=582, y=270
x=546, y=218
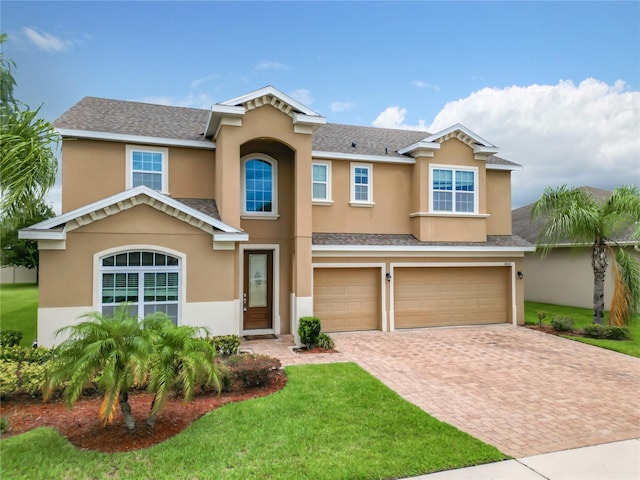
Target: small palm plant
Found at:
x=113, y=351
x=181, y=362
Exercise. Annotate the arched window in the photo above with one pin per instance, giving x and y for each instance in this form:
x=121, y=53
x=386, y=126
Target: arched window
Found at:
x=148, y=281
x=260, y=194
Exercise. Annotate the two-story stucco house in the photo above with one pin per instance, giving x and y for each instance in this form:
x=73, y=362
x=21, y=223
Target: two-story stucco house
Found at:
x=245, y=217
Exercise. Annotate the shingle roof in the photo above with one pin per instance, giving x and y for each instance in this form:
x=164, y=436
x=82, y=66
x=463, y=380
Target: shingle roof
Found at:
x=203, y=205
x=179, y=123
x=526, y=227
x=375, y=239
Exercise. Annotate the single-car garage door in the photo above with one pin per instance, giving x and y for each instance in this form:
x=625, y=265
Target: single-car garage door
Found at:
x=347, y=299
x=439, y=296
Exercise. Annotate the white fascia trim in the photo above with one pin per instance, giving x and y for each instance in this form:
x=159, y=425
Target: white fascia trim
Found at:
x=417, y=248
x=138, y=139
x=462, y=128
x=125, y=195
x=58, y=234
x=318, y=154
x=423, y=144
x=308, y=119
x=270, y=90
x=230, y=237
x=494, y=166
x=227, y=110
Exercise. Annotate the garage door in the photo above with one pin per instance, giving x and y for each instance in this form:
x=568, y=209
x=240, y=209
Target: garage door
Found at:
x=439, y=296
x=347, y=299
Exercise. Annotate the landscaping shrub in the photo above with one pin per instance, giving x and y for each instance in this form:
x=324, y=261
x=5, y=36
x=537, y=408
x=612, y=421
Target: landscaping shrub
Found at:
x=541, y=316
x=562, y=324
x=4, y=425
x=8, y=377
x=309, y=329
x=609, y=332
x=225, y=345
x=32, y=377
x=10, y=338
x=253, y=370
x=325, y=341
x=26, y=354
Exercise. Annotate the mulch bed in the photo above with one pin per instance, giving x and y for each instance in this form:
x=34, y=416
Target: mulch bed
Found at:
x=82, y=427
x=549, y=329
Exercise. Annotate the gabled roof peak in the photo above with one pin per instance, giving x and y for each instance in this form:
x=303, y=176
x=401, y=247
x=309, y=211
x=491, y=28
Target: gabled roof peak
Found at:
x=271, y=95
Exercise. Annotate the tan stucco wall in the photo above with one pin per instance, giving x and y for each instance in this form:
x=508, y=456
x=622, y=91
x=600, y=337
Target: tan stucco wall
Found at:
x=210, y=274
x=499, y=202
x=93, y=170
x=390, y=214
x=564, y=277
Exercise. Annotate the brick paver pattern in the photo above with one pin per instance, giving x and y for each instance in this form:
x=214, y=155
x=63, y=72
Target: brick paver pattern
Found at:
x=523, y=391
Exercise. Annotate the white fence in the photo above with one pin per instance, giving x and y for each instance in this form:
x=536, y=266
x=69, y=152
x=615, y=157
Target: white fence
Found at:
x=17, y=275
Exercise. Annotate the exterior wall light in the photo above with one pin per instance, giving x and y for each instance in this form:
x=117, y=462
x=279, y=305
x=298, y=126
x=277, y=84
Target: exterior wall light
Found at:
x=520, y=275
x=388, y=277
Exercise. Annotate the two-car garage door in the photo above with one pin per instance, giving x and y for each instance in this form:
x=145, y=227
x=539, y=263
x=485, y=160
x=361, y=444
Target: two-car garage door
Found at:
x=347, y=299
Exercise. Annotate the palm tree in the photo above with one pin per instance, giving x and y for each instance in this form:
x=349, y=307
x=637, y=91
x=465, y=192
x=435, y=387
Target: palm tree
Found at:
x=182, y=361
x=576, y=216
x=113, y=351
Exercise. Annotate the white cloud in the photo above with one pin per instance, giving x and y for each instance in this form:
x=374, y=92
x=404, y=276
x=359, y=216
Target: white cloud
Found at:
x=393, y=117
x=270, y=65
x=303, y=96
x=425, y=85
x=198, y=81
x=46, y=41
x=342, y=106
x=585, y=134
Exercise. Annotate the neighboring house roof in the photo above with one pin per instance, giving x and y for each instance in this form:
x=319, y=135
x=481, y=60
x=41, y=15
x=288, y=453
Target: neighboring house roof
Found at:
x=201, y=214
x=371, y=241
x=118, y=120
x=523, y=224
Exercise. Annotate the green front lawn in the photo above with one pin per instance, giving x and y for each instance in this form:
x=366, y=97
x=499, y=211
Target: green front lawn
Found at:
x=330, y=422
x=19, y=310
x=582, y=317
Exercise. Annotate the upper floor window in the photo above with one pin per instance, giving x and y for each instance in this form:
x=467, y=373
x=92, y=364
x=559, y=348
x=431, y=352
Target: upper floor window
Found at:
x=147, y=281
x=147, y=166
x=453, y=190
x=321, y=181
x=362, y=184
x=260, y=185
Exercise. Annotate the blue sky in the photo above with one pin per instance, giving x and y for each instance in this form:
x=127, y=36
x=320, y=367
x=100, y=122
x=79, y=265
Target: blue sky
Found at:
x=556, y=85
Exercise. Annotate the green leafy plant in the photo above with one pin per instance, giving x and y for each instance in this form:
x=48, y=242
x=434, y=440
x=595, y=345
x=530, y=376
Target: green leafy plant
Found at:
x=609, y=332
x=541, y=316
x=325, y=341
x=26, y=354
x=8, y=377
x=32, y=377
x=308, y=330
x=10, y=338
x=4, y=425
x=562, y=324
x=225, y=345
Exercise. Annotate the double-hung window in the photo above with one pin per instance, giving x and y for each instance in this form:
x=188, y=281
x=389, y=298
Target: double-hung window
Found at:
x=321, y=182
x=147, y=166
x=260, y=185
x=146, y=281
x=361, y=184
x=453, y=190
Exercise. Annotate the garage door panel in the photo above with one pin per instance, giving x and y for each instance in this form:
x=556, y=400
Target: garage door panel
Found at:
x=440, y=296
x=347, y=299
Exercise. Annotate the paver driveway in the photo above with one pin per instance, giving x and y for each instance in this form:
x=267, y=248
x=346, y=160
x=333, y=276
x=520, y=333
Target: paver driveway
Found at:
x=523, y=391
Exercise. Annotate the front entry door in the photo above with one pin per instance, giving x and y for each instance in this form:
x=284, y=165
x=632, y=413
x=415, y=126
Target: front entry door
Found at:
x=257, y=297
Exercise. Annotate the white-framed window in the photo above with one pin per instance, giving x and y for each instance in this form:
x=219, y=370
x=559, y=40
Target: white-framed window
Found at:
x=148, y=166
x=362, y=184
x=321, y=181
x=260, y=185
x=454, y=189
x=147, y=281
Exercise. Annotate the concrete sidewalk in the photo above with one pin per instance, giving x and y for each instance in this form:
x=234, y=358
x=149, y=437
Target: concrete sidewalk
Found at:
x=609, y=461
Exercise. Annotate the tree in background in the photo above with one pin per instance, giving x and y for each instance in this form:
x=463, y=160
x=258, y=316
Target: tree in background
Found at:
x=15, y=252
x=28, y=165
x=576, y=216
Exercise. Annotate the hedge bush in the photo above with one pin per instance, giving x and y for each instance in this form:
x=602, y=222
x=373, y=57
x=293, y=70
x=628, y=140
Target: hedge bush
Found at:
x=253, y=370
x=610, y=332
x=562, y=324
x=8, y=377
x=225, y=345
x=309, y=329
x=10, y=338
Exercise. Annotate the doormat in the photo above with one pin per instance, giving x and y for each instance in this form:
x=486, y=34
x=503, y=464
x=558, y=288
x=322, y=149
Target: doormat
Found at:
x=269, y=336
